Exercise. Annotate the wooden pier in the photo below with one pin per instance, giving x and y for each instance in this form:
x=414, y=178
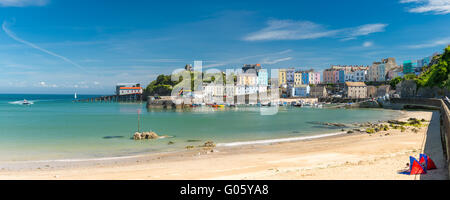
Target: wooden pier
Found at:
x=131, y=98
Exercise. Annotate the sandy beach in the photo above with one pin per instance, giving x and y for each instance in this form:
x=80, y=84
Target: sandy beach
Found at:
x=348, y=156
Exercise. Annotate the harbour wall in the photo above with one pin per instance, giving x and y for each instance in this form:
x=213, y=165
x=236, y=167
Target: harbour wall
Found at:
x=443, y=105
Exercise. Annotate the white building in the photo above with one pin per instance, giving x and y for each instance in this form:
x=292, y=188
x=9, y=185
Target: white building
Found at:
x=314, y=77
x=378, y=71
x=213, y=93
x=128, y=88
x=263, y=77
x=356, y=76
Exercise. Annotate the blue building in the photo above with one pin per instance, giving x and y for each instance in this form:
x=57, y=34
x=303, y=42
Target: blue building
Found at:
x=408, y=67
x=305, y=78
x=341, y=76
x=301, y=91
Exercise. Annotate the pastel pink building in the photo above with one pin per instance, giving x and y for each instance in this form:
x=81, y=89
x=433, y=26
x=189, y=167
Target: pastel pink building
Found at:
x=314, y=78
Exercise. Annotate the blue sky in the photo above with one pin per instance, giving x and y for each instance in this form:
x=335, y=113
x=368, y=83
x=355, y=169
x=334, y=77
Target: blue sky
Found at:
x=63, y=46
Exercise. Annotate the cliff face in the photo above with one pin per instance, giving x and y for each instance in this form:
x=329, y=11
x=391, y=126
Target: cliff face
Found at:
x=407, y=88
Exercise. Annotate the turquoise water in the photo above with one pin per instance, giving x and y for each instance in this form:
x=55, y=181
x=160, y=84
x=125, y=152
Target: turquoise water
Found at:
x=54, y=127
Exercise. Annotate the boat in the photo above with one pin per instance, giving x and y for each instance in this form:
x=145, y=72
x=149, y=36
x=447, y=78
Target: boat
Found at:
x=298, y=104
x=25, y=102
x=266, y=104
x=75, y=96
x=218, y=106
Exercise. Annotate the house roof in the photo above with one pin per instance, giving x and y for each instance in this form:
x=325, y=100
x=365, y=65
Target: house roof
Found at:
x=355, y=84
x=130, y=88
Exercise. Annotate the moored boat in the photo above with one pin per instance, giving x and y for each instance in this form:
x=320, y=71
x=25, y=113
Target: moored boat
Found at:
x=25, y=102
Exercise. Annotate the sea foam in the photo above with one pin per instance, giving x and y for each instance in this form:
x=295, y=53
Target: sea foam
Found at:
x=20, y=102
x=271, y=141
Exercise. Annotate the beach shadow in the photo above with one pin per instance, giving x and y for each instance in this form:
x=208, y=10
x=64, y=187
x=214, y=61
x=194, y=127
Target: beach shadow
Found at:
x=433, y=148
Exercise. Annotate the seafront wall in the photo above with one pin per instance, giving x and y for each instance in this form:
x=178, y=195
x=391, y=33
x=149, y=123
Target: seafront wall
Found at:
x=166, y=102
x=445, y=128
x=443, y=106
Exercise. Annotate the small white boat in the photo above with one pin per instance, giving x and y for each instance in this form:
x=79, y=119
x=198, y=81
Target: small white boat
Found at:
x=75, y=96
x=318, y=105
x=25, y=102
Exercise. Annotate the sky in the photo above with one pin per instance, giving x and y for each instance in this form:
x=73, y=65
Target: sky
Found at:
x=87, y=46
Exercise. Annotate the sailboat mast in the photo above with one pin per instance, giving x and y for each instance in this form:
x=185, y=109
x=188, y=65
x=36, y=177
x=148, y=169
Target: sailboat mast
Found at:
x=139, y=113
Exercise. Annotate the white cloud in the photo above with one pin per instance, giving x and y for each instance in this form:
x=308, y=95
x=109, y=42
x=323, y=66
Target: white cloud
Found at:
x=23, y=3
x=271, y=62
x=367, y=44
x=289, y=30
x=439, y=7
x=44, y=84
x=14, y=37
x=301, y=30
x=439, y=42
x=365, y=30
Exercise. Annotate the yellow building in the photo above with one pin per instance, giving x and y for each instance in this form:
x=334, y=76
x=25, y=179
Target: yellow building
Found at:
x=297, y=78
x=282, y=77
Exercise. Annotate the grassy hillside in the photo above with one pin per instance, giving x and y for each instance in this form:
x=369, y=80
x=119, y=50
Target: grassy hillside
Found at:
x=437, y=74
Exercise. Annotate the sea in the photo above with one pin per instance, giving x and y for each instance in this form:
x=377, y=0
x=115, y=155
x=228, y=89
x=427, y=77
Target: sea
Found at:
x=55, y=127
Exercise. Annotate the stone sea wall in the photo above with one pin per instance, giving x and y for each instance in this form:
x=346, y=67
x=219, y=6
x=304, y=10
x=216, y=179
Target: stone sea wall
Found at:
x=443, y=106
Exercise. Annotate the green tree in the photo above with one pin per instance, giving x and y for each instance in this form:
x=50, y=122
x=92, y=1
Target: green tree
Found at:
x=395, y=81
x=437, y=74
x=163, y=85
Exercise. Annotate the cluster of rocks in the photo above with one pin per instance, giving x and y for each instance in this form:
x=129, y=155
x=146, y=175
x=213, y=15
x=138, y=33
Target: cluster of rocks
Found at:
x=208, y=144
x=145, y=136
x=368, y=127
x=397, y=122
x=384, y=126
x=329, y=124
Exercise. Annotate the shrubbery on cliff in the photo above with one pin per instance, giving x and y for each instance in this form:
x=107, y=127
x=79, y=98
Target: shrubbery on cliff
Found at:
x=437, y=74
x=163, y=86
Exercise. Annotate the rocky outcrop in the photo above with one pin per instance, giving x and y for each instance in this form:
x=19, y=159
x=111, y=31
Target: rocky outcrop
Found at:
x=137, y=136
x=209, y=144
x=145, y=136
x=149, y=135
x=329, y=124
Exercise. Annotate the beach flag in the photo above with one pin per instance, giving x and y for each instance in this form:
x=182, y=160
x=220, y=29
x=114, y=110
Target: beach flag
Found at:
x=427, y=162
x=181, y=92
x=414, y=167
